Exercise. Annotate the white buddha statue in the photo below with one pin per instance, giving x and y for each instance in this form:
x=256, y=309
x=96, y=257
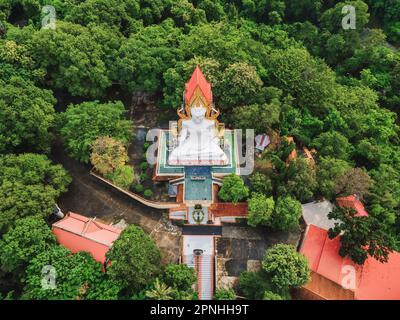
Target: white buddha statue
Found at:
x=198, y=143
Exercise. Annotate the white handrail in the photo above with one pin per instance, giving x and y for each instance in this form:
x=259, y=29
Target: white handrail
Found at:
x=146, y=202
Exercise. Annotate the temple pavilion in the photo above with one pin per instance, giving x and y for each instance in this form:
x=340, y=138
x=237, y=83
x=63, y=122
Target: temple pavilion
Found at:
x=194, y=155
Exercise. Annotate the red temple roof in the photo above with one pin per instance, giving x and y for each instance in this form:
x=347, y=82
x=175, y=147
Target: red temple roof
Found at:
x=198, y=80
x=227, y=209
x=373, y=280
x=80, y=233
x=352, y=202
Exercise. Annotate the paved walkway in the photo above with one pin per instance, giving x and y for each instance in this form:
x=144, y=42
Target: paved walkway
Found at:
x=202, y=230
x=203, y=264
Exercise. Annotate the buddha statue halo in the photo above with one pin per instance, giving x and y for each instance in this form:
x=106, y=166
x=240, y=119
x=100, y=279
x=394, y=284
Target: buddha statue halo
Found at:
x=197, y=99
x=198, y=143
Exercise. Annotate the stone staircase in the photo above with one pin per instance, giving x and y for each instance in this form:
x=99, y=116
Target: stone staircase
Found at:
x=205, y=280
x=204, y=268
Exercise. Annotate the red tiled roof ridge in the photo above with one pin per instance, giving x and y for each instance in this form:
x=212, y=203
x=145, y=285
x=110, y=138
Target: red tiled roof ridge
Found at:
x=352, y=201
x=79, y=233
x=77, y=216
x=198, y=80
x=322, y=250
x=85, y=235
x=88, y=221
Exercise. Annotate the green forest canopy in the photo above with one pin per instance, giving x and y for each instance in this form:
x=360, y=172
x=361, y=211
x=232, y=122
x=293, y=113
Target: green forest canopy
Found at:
x=286, y=66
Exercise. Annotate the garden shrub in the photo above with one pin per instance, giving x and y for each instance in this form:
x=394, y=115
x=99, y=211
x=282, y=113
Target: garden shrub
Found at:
x=122, y=176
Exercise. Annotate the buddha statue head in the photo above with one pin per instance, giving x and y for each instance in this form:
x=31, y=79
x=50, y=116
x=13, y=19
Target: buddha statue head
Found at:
x=197, y=101
x=198, y=113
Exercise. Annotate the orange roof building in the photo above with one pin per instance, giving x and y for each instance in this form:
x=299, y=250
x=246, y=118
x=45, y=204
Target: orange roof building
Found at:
x=293, y=154
x=330, y=272
x=198, y=80
x=352, y=202
x=80, y=233
x=228, y=209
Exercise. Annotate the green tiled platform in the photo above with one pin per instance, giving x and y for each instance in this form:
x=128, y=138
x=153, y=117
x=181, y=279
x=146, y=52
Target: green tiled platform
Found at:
x=165, y=169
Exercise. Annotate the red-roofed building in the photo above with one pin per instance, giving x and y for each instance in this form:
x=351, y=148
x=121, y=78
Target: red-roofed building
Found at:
x=198, y=80
x=228, y=209
x=80, y=233
x=371, y=281
x=352, y=202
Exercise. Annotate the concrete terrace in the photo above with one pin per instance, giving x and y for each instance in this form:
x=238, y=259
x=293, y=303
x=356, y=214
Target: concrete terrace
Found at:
x=164, y=169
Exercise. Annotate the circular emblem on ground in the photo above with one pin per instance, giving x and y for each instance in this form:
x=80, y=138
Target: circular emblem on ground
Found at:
x=198, y=214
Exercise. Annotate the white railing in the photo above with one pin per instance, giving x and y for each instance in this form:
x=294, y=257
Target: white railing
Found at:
x=146, y=202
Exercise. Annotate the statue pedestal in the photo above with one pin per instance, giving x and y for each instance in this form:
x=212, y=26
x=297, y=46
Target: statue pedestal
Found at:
x=184, y=162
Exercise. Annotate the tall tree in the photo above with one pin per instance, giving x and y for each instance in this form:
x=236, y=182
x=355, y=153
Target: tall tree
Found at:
x=108, y=154
x=261, y=183
x=146, y=55
x=252, y=285
x=333, y=144
x=185, y=13
x=16, y=60
x=354, y=181
x=261, y=117
x=286, y=267
x=135, y=259
x=26, y=116
x=30, y=185
x=260, y=210
x=74, y=60
x=300, y=180
x=340, y=43
x=115, y=14
x=30, y=237
x=286, y=214
x=179, y=276
x=85, y=122
x=307, y=79
x=241, y=85
x=328, y=171
x=66, y=276
x=360, y=237
x=233, y=189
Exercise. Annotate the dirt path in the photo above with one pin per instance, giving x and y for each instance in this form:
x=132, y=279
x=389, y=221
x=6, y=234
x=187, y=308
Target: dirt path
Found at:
x=91, y=198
